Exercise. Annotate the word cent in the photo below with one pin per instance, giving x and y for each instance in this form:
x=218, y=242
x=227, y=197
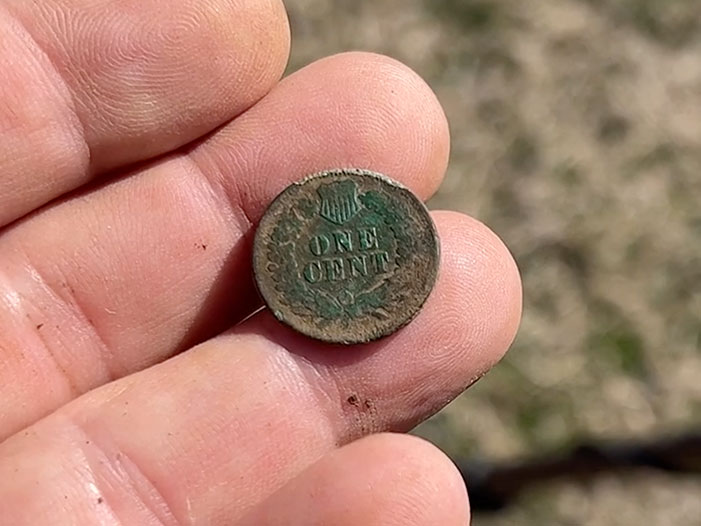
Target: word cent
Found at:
x=346, y=256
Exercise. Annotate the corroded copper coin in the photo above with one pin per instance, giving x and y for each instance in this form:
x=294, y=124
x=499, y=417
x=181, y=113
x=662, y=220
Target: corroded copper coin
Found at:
x=346, y=256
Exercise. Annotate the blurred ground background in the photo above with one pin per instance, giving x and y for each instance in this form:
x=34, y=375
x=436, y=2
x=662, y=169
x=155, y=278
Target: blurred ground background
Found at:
x=577, y=137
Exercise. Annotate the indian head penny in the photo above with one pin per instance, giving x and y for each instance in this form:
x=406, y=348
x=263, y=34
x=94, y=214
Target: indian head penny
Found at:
x=346, y=256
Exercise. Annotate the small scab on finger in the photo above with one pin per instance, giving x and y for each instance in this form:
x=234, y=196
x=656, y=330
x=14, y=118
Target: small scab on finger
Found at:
x=355, y=401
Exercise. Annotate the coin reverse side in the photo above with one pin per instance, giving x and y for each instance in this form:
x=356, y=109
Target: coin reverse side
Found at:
x=346, y=256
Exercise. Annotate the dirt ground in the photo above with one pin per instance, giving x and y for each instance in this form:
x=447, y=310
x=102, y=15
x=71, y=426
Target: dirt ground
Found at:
x=577, y=137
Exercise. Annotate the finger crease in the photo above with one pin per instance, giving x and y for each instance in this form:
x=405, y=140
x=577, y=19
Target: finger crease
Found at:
x=16, y=307
x=348, y=413
x=67, y=298
x=115, y=476
x=70, y=99
x=229, y=198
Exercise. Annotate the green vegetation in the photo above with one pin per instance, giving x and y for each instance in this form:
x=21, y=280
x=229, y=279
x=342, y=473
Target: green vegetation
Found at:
x=467, y=14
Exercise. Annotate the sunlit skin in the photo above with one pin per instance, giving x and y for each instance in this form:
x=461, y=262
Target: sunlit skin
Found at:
x=140, y=142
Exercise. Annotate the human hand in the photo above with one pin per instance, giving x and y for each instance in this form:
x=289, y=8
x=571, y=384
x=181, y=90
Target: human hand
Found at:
x=119, y=404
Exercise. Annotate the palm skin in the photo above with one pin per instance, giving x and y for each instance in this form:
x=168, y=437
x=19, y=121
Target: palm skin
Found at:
x=140, y=142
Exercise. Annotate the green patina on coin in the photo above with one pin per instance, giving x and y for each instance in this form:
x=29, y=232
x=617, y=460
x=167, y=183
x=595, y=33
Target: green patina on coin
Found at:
x=346, y=256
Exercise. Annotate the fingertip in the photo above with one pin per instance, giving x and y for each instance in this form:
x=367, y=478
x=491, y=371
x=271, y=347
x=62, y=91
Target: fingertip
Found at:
x=418, y=113
x=429, y=475
x=467, y=325
x=481, y=283
x=274, y=53
x=353, y=110
x=380, y=480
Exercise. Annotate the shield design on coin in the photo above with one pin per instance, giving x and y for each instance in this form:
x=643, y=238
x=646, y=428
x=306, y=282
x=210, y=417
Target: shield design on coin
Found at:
x=339, y=201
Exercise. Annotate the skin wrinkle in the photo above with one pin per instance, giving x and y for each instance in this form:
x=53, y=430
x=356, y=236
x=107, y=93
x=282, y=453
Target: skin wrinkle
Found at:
x=345, y=407
x=69, y=303
x=228, y=211
x=22, y=316
x=325, y=387
x=349, y=406
x=104, y=461
x=70, y=100
x=225, y=198
x=73, y=389
x=230, y=189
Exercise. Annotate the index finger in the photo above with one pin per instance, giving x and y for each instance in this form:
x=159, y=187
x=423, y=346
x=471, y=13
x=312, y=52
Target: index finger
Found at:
x=89, y=86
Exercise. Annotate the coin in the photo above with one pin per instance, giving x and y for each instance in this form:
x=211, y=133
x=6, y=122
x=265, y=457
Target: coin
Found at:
x=346, y=256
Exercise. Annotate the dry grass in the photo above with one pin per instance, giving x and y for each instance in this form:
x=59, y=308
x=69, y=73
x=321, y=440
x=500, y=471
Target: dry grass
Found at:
x=577, y=137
